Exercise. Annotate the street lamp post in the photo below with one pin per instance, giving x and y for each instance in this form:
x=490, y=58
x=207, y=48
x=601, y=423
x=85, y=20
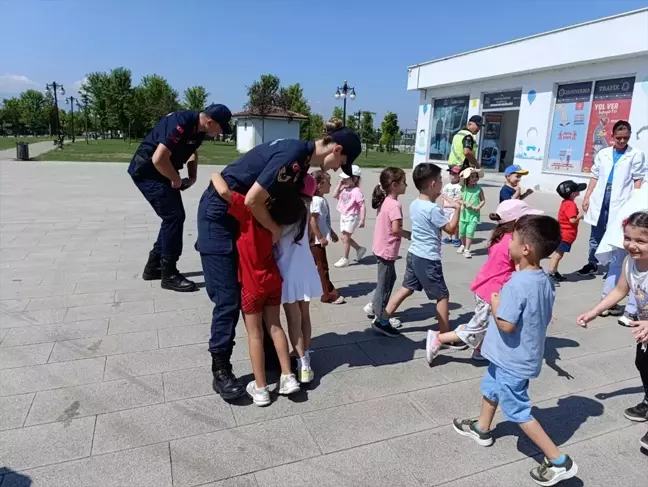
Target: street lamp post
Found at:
x=84, y=99
x=343, y=92
x=54, y=88
x=71, y=101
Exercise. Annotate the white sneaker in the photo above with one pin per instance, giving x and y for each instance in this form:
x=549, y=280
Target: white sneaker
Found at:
x=360, y=253
x=432, y=346
x=260, y=395
x=368, y=309
x=343, y=262
x=288, y=385
x=467, y=254
x=340, y=300
x=306, y=374
x=460, y=249
x=395, y=322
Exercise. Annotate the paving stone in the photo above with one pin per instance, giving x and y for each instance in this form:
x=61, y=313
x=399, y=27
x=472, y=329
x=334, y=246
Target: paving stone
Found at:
x=367, y=466
x=13, y=305
x=91, y=399
x=25, y=355
x=32, y=318
x=241, y=481
x=109, y=310
x=156, y=361
x=50, y=376
x=188, y=301
x=13, y=410
x=51, y=333
x=366, y=422
x=169, y=319
x=448, y=401
x=184, y=335
x=217, y=456
x=185, y=383
x=99, y=286
x=30, y=292
x=46, y=444
x=336, y=359
x=161, y=422
x=71, y=300
x=102, y=346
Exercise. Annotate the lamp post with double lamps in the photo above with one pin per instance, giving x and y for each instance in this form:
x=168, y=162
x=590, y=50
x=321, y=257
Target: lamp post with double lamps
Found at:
x=71, y=101
x=344, y=92
x=55, y=88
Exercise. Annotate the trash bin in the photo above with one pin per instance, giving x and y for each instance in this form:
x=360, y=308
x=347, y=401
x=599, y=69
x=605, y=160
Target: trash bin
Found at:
x=22, y=151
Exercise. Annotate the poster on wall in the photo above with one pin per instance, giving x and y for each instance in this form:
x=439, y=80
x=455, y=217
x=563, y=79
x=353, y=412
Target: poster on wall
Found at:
x=611, y=103
x=569, y=128
x=490, y=144
x=450, y=115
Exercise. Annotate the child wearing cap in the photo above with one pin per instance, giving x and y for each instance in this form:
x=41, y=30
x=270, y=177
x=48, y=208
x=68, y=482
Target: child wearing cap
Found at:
x=495, y=272
x=511, y=189
x=472, y=201
x=452, y=191
x=353, y=211
x=568, y=217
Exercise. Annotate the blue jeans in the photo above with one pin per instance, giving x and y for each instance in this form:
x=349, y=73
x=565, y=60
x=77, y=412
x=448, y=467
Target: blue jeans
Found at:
x=598, y=231
x=614, y=273
x=167, y=203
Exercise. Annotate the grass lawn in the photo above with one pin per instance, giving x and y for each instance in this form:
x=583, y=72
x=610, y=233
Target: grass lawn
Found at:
x=219, y=154
x=10, y=142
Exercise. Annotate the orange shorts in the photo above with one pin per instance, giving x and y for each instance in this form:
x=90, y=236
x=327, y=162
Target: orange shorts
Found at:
x=254, y=303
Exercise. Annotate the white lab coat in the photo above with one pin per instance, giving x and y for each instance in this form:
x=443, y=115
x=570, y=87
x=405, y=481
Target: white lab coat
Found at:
x=630, y=167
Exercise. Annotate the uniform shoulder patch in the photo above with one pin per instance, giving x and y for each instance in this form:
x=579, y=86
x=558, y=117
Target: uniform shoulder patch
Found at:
x=180, y=129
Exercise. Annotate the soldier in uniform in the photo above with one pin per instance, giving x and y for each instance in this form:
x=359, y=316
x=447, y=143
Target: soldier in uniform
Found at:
x=155, y=170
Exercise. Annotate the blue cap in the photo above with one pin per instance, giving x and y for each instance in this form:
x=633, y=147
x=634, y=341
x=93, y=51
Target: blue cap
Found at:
x=221, y=115
x=351, y=146
x=515, y=169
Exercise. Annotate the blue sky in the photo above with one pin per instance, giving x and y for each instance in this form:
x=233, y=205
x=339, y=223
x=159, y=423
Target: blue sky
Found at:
x=226, y=44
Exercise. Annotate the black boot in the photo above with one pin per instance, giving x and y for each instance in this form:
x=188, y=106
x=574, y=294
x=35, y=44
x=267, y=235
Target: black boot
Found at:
x=153, y=267
x=173, y=280
x=225, y=382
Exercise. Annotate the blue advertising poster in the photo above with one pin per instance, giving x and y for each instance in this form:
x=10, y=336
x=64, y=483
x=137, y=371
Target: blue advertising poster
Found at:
x=569, y=128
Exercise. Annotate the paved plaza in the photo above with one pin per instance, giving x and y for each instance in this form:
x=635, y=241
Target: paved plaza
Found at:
x=105, y=378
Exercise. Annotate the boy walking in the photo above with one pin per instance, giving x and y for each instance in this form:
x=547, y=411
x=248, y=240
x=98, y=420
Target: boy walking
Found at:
x=511, y=189
x=514, y=344
x=423, y=271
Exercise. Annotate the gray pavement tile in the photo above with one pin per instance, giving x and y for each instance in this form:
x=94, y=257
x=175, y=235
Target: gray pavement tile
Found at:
x=448, y=401
x=366, y=422
x=99, y=286
x=109, y=310
x=367, y=466
x=392, y=350
x=341, y=334
x=29, y=292
x=50, y=376
x=190, y=301
x=141, y=467
x=373, y=382
x=3, y=333
x=217, y=456
x=153, y=321
x=32, y=318
x=24, y=355
x=91, y=399
x=127, y=295
x=105, y=345
x=13, y=410
x=71, y=300
x=161, y=422
x=52, y=333
x=156, y=361
x=13, y=305
x=184, y=335
x=241, y=481
x=45, y=444
x=339, y=358
x=185, y=383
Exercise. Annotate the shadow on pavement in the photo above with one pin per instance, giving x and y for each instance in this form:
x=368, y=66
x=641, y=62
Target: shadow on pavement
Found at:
x=551, y=355
x=626, y=391
x=13, y=478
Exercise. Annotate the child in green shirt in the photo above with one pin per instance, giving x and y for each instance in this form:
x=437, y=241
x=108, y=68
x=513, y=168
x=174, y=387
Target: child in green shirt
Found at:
x=472, y=200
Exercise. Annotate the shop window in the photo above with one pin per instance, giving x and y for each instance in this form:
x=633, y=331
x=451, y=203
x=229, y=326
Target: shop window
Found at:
x=450, y=115
x=584, y=115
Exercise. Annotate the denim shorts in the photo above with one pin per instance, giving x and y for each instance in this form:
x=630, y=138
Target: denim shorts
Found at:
x=564, y=247
x=509, y=391
x=425, y=275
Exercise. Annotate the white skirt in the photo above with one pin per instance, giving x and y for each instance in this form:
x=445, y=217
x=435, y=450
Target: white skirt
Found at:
x=349, y=223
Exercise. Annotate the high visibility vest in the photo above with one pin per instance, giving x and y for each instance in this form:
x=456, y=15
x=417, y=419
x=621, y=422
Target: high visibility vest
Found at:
x=457, y=156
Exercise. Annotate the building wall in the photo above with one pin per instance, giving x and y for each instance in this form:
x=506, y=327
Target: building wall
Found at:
x=245, y=135
x=258, y=132
x=279, y=129
x=536, y=112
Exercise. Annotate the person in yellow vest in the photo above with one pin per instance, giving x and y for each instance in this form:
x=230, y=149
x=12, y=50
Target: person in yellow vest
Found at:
x=465, y=143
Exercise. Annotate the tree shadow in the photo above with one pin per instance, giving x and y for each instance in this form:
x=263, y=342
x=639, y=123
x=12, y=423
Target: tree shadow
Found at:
x=626, y=391
x=13, y=478
x=552, y=355
x=357, y=289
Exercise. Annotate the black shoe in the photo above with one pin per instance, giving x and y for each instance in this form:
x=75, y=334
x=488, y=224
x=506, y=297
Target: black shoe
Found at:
x=615, y=310
x=638, y=413
x=559, y=277
x=644, y=441
x=588, y=269
x=153, y=267
x=173, y=280
x=554, y=279
x=455, y=346
x=384, y=328
x=225, y=382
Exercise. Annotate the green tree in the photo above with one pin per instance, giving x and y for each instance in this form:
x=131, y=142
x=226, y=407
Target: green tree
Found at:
x=118, y=99
x=315, y=126
x=263, y=95
x=95, y=89
x=367, y=130
x=195, y=97
x=158, y=98
x=352, y=122
x=390, y=131
x=32, y=103
x=11, y=115
x=338, y=112
x=299, y=104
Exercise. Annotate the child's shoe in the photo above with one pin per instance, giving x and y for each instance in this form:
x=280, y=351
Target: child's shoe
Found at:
x=288, y=385
x=447, y=240
x=432, y=346
x=548, y=473
x=260, y=395
x=343, y=262
x=368, y=309
x=467, y=254
x=460, y=249
x=456, y=242
x=554, y=279
x=468, y=427
x=384, y=328
x=360, y=253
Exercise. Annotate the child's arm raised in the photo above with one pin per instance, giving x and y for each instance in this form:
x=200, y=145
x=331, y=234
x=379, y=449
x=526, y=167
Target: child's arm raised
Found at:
x=617, y=294
x=221, y=187
x=451, y=227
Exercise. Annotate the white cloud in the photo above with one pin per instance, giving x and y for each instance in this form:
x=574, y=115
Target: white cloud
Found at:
x=78, y=84
x=16, y=83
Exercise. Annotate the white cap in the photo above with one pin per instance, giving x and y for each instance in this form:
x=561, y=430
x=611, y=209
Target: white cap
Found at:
x=355, y=170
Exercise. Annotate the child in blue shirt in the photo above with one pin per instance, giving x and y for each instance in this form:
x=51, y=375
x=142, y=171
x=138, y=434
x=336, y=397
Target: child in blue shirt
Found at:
x=514, y=345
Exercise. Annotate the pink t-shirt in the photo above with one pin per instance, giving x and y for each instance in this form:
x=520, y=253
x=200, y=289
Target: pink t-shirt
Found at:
x=497, y=269
x=385, y=243
x=350, y=201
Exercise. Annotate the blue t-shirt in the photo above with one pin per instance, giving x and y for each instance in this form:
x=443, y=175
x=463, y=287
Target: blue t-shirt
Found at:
x=427, y=219
x=527, y=301
x=616, y=155
x=506, y=193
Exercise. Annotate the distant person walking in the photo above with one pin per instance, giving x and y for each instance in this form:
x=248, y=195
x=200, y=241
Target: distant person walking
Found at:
x=465, y=145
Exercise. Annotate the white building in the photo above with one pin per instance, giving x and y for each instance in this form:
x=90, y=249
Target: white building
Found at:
x=252, y=129
x=549, y=100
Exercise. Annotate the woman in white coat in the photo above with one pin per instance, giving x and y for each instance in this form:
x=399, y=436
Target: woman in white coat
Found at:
x=617, y=170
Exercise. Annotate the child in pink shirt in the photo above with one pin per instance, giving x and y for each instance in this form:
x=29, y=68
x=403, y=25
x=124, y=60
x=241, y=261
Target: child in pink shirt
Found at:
x=387, y=237
x=495, y=272
x=351, y=205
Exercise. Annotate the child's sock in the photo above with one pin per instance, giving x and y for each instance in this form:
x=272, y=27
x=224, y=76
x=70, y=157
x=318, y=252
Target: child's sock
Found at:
x=305, y=362
x=559, y=461
x=479, y=430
